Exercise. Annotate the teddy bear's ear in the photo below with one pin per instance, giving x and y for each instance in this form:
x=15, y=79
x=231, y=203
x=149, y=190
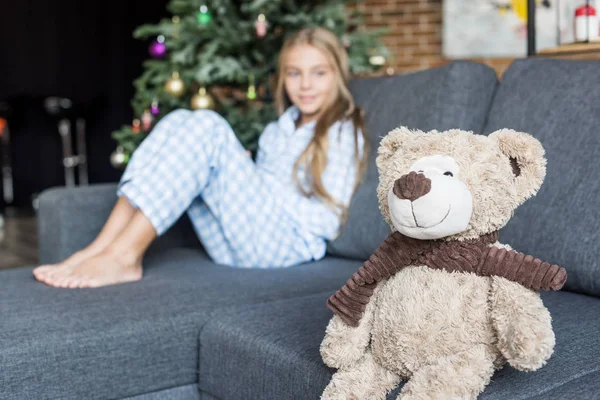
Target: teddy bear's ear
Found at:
x=392, y=142
x=527, y=160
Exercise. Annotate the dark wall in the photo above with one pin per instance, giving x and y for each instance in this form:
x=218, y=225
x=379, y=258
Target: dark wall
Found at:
x=83, y=50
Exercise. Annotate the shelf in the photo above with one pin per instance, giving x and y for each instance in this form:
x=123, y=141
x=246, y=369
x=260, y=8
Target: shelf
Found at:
x=589, y=50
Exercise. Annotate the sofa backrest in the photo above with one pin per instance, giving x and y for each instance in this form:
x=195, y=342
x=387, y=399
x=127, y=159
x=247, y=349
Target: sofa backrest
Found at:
x=457, y=95
x=558, y=102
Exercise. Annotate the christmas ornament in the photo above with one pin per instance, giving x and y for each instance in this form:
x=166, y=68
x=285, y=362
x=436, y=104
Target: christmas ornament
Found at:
x=118, y=158
x=377, y=60
x=158, y=49
x=204, y=16
x=154, y=107
x=346, y=40
x=175, y=86
x=146, y=120
x=135, y=126
x=177, y=27
x=261, y=26
x=251, y=89
x=202, y=100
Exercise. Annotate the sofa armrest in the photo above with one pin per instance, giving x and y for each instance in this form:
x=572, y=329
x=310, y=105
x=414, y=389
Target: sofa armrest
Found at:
x=70, y=218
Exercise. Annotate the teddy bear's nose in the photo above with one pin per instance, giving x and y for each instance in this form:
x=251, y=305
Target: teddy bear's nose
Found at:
x=412, y=186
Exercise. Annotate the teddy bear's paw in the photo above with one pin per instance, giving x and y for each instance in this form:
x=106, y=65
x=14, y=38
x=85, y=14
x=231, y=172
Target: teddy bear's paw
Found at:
x=341, y=355
x=343, y=345
x=529, y=349
x=364, y=381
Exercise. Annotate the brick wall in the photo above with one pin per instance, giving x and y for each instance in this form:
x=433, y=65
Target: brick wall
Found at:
x=415, y=33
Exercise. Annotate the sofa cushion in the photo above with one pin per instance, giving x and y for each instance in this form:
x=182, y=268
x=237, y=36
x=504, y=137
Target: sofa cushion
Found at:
x=457, y=95
x=133, y=338
x=558, y=102
x=271, y=351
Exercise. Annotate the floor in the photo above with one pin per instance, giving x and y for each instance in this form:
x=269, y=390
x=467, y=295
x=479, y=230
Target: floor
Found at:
x=18, y=238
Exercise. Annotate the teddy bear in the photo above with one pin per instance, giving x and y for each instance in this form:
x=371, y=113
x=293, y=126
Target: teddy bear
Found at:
x=442, y=304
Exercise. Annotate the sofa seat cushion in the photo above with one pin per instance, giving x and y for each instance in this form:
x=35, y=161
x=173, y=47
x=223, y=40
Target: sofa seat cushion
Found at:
x=124, y=340
x=271, y=351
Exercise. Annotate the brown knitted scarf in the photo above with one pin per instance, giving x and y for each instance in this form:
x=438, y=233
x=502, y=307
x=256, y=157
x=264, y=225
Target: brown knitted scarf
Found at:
x=475, y=256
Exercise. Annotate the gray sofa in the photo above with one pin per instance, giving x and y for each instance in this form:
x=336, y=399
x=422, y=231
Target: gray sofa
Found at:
x=195, y=330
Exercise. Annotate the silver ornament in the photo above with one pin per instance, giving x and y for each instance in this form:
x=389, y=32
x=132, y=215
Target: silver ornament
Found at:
x=118, y=158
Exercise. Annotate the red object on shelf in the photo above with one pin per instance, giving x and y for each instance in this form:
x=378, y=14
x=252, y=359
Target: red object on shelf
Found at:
x=586, y=23
x=585, y=10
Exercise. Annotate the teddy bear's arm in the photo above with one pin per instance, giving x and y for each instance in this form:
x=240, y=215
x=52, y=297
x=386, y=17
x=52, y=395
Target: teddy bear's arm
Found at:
x=343, y=344
x=522, y=323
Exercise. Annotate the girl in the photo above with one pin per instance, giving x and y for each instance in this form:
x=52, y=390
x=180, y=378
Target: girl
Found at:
x=278, y=212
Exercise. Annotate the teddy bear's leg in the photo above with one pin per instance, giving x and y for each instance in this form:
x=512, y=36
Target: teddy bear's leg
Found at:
x=461, y=376
x=365, y=380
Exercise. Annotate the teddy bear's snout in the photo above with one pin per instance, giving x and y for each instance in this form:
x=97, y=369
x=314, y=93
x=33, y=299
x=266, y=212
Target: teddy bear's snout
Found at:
x=412, y=186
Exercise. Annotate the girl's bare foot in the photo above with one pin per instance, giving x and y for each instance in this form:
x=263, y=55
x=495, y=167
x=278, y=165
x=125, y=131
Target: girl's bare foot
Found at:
x=105, y=268
x=117, y=221
x=46, y=272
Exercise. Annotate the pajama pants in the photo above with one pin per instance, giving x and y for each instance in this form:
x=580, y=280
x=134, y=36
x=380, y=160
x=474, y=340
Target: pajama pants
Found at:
x=193, y=162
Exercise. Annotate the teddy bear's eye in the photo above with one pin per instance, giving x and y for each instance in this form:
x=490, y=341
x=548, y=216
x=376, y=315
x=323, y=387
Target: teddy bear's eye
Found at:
x=448, y=173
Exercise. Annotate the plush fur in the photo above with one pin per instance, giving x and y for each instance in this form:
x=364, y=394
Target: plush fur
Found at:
x=445, y=333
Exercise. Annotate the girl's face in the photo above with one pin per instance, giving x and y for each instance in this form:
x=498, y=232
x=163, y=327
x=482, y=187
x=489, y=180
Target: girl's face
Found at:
x=309, y=80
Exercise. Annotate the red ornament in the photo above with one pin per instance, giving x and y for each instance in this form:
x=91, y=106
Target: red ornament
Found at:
x=135, y=126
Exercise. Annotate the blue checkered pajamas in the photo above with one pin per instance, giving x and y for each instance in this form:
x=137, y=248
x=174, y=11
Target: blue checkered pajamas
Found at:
x=245, y=214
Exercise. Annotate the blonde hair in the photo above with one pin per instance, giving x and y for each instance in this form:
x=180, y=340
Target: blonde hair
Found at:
x=314, y=157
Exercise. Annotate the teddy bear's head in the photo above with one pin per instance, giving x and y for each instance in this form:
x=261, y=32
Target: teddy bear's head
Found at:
x=456, y=184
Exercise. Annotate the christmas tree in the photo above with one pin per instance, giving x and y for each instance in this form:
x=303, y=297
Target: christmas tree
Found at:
x=222, y=54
